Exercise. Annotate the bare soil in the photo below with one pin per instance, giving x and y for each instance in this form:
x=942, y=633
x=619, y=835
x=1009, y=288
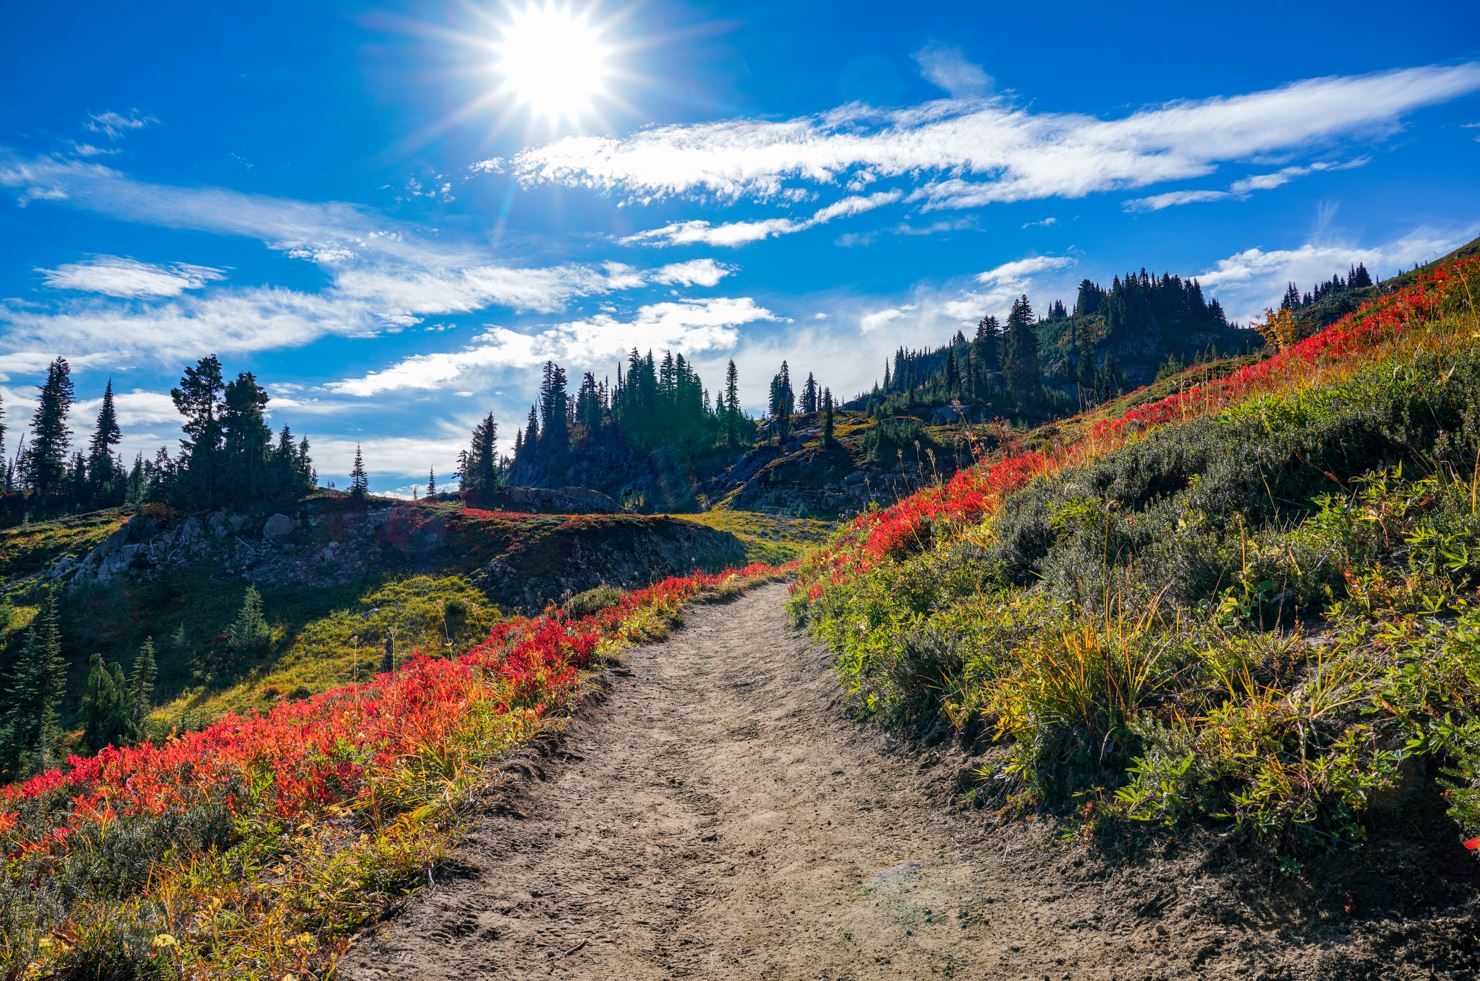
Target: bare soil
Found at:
x=717, y=815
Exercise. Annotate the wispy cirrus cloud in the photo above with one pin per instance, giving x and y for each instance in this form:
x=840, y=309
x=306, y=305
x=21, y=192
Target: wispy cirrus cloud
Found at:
x=119, y=276
x=1240, y=189
x=383, y=275
x=115, y=124
x=735, y=233
x=979, y=151
x=947, y=69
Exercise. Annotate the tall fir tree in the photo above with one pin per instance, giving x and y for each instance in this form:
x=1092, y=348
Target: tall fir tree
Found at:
x=827, y=415
x=141, y=688
x=811, y=397
x=37, y=689
x=731, y=400
x=104, y=472
x=1020, y=363
x=198, y=398
x=45, y=465
x=782, y=403
x=245, y=438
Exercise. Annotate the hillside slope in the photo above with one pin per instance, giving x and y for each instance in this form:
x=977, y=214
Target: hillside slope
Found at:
x=340, y=583
x=1248, y=606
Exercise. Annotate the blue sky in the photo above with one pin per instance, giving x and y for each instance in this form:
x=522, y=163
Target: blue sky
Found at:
x=360, y=205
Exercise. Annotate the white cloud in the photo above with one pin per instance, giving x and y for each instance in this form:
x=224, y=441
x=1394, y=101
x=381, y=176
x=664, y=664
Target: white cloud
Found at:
x=695, y=272
x=689, y=326
x=138, y=408
x=735, y=233
x=1020, y=271
x=1044, y=223
x=1240, y=189
x=984, y=151
x=382, y=275
x=879, y=319
x=727, y=235
x=118, y=276
x=948, y=69
x=1172, y=199
x=116, y=124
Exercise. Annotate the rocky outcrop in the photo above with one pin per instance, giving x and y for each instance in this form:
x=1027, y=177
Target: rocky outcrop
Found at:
x=520, y=560
x=551, y=500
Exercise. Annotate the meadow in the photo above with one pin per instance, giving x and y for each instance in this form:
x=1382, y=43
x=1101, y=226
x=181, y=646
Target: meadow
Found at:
x=1247, y=605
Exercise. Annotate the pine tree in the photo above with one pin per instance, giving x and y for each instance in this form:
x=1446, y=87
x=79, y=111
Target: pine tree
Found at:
x=141, y=687
x=105, y=709
x=731, y=401
x=103, y=470
x=431, y=482
x=1020, y=361
x=554, y=410
x=811, y=400
x=36, y=694
x=783, y=403
x=359, y=481
x=827, y=415
x=198, y=398
x=45, y=464
x=249, y=635
x=988, y=351
x=245, y=438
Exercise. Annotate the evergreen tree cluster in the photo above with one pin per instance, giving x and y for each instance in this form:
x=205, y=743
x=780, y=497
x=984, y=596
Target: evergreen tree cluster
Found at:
x=654, y=406
x=228, y=454
x=112, y=711
x=653, y=403
x=1357, y=277
x=1030, y=366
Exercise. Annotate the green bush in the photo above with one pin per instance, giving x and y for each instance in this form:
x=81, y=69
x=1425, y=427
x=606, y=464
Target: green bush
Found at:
x=592, y=601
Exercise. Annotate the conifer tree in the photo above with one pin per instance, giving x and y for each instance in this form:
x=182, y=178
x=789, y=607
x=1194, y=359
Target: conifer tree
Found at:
x=988, y=353
x=431, y=481
x=731, y=400
x=554, y=409
x=36, y=694
x=45, y=464
x=249, y=635
x=1020, y=362
x=811, y=400
x=198, y=398
x=359, y=481
x=105, y=709
x=141, y=687
x=783, y=403
x=827, y=415
x=104, y=473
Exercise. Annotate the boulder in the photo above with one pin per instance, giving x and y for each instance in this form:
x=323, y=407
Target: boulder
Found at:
x=277, y=526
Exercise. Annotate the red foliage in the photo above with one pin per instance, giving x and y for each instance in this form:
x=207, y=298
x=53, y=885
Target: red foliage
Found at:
x=975, y=493
x=300, y=758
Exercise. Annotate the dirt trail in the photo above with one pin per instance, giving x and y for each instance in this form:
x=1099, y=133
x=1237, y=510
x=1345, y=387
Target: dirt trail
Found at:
x=717, y=816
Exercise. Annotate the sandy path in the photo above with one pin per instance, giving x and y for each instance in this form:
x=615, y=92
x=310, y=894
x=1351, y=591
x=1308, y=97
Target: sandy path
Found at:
x=717, y=816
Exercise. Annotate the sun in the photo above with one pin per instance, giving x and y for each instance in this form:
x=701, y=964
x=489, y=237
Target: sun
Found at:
x=553, y=60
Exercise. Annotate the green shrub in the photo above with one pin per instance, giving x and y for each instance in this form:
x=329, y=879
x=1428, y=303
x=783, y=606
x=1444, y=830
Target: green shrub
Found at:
x=593, y=601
